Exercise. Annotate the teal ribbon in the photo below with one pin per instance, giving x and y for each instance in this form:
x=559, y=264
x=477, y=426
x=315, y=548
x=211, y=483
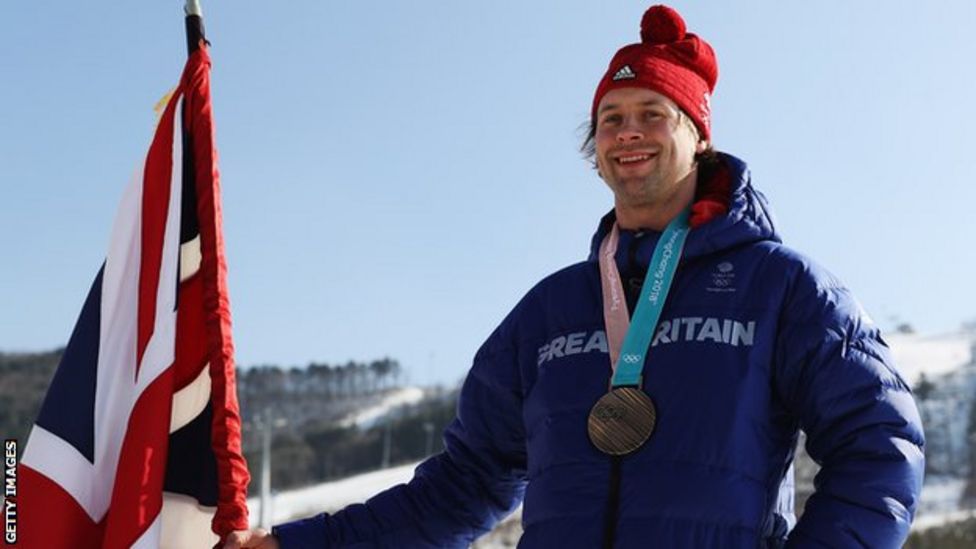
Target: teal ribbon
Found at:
x=657, y=284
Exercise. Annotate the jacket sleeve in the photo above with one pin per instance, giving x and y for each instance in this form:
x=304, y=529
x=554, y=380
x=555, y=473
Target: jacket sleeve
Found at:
x=456, y=495
x=861, y=422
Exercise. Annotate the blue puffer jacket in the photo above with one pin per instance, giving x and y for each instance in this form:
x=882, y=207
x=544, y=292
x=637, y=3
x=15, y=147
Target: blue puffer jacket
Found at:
x=755, y=343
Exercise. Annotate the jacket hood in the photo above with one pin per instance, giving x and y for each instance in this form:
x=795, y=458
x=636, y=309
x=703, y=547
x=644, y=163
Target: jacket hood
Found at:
x=749, y=219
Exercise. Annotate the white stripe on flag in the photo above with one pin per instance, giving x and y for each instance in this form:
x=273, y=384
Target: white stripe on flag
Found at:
x=190, y=401
x=186, y=523
x=116, y=344
x=150, y=538
x=62, y=463
x=190, y=258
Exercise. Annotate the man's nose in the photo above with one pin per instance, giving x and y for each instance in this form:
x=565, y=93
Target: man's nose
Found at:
x=629, y=132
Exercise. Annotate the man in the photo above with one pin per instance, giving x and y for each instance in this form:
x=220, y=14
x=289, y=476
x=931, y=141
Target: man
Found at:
x=722, y=344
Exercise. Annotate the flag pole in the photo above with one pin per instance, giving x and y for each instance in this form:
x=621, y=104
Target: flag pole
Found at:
x=201, y=182
x=194, y=26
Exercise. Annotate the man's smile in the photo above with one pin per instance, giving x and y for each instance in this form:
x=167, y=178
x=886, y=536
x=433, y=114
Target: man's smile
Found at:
x=633, y=158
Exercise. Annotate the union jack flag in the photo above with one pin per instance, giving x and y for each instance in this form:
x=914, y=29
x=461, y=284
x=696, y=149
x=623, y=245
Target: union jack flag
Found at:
x=138, y=441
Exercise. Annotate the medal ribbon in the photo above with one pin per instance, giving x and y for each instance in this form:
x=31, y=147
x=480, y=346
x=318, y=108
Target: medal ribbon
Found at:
x=628, y=342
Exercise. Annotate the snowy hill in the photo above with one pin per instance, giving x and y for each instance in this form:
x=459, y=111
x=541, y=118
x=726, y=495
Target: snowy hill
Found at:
x=932, y=355
x=367, y=417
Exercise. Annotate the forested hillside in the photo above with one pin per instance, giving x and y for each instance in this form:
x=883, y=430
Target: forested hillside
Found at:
x=24, y=378
x=313, y=410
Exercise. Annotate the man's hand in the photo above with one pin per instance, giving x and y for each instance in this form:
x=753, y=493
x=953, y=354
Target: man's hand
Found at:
x=258, y=538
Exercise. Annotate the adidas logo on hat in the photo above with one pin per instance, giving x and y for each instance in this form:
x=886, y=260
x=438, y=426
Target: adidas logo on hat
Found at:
x=624, y=73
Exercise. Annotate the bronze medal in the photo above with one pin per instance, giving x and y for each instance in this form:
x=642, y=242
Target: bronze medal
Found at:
x=621, y=421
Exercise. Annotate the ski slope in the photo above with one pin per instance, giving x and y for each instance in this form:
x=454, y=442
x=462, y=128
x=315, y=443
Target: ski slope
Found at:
x=366, y=418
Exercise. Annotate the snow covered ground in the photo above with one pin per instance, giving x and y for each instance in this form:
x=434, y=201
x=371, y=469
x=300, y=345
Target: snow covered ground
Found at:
x=366, y=418
x=940, y=502
x=331, y=496
x=941, y=495
x=933, y=355
x=924, y=522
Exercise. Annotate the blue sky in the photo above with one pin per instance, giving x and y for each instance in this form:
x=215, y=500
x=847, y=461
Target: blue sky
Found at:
x=397, y=175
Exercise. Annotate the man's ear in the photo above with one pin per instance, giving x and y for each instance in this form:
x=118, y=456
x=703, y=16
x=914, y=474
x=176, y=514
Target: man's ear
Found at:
x=701, y=147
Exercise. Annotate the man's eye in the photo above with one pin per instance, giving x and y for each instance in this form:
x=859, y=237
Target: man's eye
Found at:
x=611, y=119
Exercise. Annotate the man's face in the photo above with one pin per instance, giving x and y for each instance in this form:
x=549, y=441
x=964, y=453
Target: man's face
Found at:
x=643, y=150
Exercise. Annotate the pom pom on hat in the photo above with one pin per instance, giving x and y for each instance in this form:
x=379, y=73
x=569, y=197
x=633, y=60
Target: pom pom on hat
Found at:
x=661, y=25
x=668, y=60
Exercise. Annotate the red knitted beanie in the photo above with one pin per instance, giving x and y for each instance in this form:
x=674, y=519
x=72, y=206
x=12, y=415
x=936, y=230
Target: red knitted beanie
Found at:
x=667, y=60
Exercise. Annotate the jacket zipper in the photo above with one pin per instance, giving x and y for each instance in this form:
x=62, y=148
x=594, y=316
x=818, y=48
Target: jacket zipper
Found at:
x=613, y=503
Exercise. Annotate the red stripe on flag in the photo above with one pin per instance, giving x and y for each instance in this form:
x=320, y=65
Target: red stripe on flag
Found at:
x=137, y=495
x=50, y=517
x=226, y=427
x=157, y=178
x=191, y=345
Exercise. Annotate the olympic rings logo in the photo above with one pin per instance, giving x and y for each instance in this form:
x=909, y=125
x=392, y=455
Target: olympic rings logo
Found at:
x=631, y=359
